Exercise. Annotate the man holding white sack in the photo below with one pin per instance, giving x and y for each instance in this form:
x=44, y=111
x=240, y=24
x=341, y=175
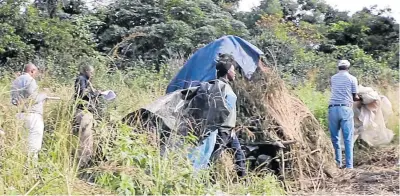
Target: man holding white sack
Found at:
x=24, y=93
x=341, y=116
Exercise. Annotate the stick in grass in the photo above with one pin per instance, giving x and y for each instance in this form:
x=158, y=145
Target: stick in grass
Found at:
x=53, y=98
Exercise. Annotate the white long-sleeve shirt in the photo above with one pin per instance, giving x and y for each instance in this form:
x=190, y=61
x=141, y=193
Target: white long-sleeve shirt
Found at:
x=25, y=89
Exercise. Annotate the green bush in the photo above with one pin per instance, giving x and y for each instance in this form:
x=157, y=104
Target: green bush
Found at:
x=316, y=101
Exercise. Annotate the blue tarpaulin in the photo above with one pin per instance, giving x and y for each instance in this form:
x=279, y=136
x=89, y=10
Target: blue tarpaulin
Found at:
x=200, y=155
x=201, y=66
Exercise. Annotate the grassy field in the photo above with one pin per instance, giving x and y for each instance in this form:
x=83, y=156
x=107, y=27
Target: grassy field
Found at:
x=133, y=164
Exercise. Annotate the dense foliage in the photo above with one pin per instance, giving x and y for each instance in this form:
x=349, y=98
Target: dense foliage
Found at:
x=134, y=45
x=302, y=35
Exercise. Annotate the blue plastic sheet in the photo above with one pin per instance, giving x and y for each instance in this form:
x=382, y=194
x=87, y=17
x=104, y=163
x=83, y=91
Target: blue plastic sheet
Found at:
x=200, y=155
x=201, y=66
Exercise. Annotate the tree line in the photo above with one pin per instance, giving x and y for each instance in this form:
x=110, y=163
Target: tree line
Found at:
x=302, y=36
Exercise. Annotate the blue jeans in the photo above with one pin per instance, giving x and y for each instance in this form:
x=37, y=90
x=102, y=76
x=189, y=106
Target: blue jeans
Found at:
x=341, y=117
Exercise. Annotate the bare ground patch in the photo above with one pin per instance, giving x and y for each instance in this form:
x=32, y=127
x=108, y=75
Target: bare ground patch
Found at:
x=376, y=172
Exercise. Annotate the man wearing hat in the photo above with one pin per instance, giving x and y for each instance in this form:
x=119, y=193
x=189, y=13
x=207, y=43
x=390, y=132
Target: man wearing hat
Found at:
x=343, y=94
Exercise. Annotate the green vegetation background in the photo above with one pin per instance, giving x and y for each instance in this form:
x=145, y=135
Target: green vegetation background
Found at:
x=137, y=47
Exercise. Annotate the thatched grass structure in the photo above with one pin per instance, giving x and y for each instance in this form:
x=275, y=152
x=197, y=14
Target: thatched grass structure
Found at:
x=269, y=112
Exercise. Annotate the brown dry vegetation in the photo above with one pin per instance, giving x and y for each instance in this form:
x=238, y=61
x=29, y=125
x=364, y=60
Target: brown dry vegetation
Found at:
x=376, y=172
x=288, y=119
x=283, y=117
x=376, y=168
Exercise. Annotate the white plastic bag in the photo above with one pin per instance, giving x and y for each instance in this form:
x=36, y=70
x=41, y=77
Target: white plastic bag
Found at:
x=368, y=94
x=375, y=132
x=370, y=118
x=109, y=95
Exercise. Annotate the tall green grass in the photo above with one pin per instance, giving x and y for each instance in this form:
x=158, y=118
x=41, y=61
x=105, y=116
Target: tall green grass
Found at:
x=316, y=101
x=133, y=166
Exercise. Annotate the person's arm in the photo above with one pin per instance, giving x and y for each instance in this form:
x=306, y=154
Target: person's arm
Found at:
x=34, y=95
x=354, y=90
x=15, y=97
x=95, y=92
x=230, y=101
x=31, y=88
x=80, y=87
x=330, y=83
x=83, y=88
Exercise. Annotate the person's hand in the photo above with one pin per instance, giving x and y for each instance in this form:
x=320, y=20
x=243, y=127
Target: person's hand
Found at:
x=16, y=102
x=357, y=104
x=41, y=97
x=47, y=90
x=98, y=92
x=17, y=74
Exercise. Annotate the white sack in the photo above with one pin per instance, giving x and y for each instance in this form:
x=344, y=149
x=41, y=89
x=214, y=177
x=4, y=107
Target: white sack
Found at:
x=370, y=118
x=368, y=94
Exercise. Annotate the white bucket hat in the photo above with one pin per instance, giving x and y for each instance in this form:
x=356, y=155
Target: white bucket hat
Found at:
x=345, y=63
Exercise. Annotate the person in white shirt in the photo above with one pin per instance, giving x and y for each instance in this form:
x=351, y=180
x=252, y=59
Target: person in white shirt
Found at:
x=25, y=95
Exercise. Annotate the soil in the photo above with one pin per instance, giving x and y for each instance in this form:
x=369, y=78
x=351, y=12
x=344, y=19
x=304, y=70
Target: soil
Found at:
x=376, y=172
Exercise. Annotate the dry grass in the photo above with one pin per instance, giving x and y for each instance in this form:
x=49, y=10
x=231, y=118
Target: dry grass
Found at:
x=81, y=187
x=133, y=165
x=384, y=157
x=393, y=94
x=287, y=118
x=376, y=173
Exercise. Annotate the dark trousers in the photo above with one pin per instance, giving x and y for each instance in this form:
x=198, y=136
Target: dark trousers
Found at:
x=224, y=140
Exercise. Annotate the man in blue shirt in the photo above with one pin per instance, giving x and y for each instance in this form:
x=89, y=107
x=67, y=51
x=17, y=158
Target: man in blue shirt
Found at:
x=344, y=93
